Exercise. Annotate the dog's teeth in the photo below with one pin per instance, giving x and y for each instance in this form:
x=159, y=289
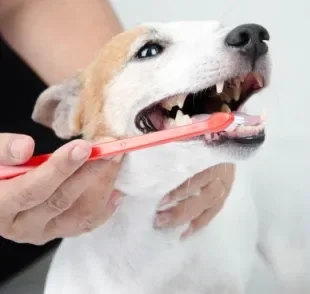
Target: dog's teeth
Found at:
x=260, y=128
x=215, y=137
x=186, y=119
x=181, y=119
x=244, y=131
x=220, y=87
x=167, y=104
x=171, y=122
x=237, y=82
x=225, y=108
x=208, y=138
x=242, y=78
x=170, y=103
x=259, y=79
x=179, y=115
x=174, y=101
x=237, y=92
x=237, y=89
x=181, y=100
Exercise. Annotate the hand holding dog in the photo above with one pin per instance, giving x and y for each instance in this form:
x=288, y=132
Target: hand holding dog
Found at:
x=213, y=186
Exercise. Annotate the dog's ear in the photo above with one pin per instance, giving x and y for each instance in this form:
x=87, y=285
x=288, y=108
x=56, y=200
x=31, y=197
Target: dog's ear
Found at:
x=57, y=108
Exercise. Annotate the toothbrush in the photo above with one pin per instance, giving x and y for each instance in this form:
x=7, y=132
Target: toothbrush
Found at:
x=217, y=122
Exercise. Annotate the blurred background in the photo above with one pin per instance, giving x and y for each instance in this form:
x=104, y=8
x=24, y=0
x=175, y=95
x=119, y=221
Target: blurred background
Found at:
x=287, y=100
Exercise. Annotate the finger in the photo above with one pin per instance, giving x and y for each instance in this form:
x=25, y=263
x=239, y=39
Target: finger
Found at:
x=98, y=192
x=192, y=185
x=15, y=149
x=77, y=198
x=97, y=181
x=189, y=187
x=203, y=220
x=36, y=186
x=193, y=207
x=63, y=198
x=70, y=224
x=90, y=175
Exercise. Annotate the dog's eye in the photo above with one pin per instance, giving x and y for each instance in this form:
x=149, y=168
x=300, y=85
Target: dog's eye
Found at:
x=149, y=50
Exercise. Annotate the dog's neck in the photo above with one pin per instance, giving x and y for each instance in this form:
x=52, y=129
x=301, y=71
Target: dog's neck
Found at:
x=154, y=172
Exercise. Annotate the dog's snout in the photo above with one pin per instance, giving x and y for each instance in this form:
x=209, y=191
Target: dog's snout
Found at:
x=249, y=39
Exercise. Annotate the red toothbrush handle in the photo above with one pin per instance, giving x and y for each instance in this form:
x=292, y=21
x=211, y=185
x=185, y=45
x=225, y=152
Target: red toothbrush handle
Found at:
x=216, y=123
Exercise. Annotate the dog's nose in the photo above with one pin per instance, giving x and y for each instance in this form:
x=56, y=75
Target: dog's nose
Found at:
x=249, y=40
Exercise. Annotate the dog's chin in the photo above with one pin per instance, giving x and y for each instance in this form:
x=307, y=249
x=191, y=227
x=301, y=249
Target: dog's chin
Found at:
x=237, y=149
x=228, y=150
x=232, y=151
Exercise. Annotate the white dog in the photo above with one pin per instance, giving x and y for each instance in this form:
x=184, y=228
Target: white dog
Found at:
x=154, y=77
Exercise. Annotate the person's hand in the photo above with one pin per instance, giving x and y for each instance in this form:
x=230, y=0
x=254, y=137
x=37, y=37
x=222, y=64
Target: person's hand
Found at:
x=199, y=199
x=63, y=197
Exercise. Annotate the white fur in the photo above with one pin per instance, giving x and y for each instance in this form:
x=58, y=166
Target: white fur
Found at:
x=127, y=255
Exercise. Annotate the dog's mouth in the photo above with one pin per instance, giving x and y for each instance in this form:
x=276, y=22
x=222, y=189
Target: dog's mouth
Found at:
x=226, y=96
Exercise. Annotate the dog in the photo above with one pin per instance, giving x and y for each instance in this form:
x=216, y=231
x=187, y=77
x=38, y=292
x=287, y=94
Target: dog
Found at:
x=154, y=77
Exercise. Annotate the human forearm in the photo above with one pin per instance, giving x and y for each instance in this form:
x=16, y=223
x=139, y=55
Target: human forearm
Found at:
x=57, y=38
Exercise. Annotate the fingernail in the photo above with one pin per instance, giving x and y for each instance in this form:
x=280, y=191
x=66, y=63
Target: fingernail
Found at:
x=79, y=153
x=164, y=201
x=118, y=158
x=187, y=233
x=17, y=148
x=162, y=219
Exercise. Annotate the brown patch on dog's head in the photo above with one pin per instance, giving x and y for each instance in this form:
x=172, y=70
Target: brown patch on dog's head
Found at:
x=75, y=106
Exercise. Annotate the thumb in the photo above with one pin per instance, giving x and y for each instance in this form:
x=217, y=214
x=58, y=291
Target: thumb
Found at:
x=15, y=148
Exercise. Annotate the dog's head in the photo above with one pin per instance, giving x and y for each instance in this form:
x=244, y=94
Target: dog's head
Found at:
x=162, y=75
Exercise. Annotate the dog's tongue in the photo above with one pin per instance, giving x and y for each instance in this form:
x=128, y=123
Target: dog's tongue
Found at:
x=249, y=120
x=157, y=119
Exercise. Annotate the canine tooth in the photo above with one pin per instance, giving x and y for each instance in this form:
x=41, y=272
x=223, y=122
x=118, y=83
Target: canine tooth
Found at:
x=237, y=91
x=242, y=78
x=167, y=104
x=180, y=100
x=179, y=115
x=225, y=108
x=170, y=102
x=219, y=87
x=173, y=101
x=259, y=79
